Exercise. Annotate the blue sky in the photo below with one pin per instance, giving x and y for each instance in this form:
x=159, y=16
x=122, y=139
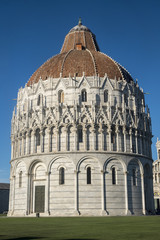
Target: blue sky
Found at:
x=31, y=31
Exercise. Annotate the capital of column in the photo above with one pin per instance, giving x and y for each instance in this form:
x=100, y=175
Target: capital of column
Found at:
x=33, y=133
x=117, y=129
x=109, y=129
x=84, y=129
x=130, y=131
x=28, y=134
x=93, y=129
x=42, y=133
x=56, y=130
x=19, y=137
x=49, y=130
x=136, y=132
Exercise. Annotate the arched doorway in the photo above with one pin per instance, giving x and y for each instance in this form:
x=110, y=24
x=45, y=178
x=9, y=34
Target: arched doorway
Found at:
x=37, y=203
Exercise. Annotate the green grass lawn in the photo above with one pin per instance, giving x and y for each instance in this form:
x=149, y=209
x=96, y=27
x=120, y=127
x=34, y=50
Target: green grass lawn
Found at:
x=107, y=228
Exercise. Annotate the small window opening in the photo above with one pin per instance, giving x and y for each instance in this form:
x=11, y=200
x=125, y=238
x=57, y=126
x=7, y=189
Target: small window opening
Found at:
x=84, y=95
x=39, y=100
x=61, y=176
x=113, y=176
x=79, y=46
x=80, y=134
x=88, y=175
x=113, y=138
x=61, y=97
x=38, y=137
x=106, y=96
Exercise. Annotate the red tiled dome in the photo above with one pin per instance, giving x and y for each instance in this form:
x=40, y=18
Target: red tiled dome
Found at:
x=80, y=55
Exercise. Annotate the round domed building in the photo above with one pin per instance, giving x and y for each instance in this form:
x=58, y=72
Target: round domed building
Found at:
x=81, y=137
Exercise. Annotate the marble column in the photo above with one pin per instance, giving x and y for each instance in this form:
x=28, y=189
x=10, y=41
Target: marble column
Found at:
x=57, y=139
x=136, y=140
x=66, y=138
x=103, y=198
x=109, y=130
x=126, y=192
x=12, y=147
x=33, y=142
x=28, y=194
x=49, y=139
x=117, y=137
x=28, y=143
x=130, y=139
x=75, y=138
x=76, y=212
x=13, y=193
x=143, y=194
x=47, y=199
x=85, y=138
x=125, y=142
x=22, y=144
x=141, y=144
x=42, y=140
x=19, y=145
x=102, y=139
x=93, y=138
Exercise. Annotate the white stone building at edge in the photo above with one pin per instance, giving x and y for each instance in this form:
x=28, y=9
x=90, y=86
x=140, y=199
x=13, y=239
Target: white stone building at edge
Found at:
x=81, y=137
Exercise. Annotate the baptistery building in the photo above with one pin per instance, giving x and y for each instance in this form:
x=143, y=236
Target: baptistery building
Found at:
x=81, y=137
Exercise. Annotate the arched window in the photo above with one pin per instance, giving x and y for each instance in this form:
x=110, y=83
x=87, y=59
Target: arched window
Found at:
x=113, y=176
x=39, y=99
x=61, y=96
x=134, y=177
x=80, y=134
x=84, y=95
x=20, y=179
x=105, y=95
x=38, y=137
x=158, y=154
x=61, y=175
x=89, y=175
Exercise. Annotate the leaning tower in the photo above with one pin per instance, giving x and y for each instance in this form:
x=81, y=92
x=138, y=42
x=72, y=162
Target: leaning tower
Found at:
x=81, y=137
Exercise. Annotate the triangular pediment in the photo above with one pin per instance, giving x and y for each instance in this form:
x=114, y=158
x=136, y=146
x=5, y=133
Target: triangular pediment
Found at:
x=40, y=89
x=83, y=83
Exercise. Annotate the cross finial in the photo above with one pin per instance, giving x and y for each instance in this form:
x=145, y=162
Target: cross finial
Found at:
x=80, y=22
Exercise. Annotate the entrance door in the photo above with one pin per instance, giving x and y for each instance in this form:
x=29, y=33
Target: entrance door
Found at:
x=39, y=199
